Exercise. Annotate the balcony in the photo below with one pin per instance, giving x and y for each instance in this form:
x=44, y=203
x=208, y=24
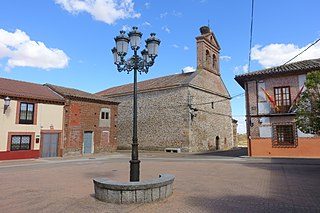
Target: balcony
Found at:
x=281, y=110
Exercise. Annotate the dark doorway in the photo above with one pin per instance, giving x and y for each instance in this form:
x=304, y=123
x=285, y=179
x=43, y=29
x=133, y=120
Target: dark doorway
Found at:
x=217, y=143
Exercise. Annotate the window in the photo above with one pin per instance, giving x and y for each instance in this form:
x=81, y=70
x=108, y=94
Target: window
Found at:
x=104, y=117
x=282, y=98
x=20, y=142
x=284, y=135
x=208, y=60
x=214, y=61
x=26, y=114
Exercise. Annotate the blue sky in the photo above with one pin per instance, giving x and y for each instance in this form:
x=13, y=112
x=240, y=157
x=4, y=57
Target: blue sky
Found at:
x=68, y=42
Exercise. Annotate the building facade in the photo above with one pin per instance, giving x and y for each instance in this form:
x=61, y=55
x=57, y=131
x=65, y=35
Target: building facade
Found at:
x=90, y=122
x=51, y=121
x=187, y=111
x=270, y=98
x=31, y=124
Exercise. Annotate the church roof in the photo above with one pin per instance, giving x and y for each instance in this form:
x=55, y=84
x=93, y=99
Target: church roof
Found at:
x=286, y=69
x=165, y=82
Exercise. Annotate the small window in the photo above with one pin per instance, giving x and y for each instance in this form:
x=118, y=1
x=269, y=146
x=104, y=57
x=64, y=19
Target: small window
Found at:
x=26, y=114
x=104, y=117
x=20, y=142
x=284, y=135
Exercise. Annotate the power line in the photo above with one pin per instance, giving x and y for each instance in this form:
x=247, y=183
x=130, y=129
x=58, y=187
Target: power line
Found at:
x=303, y=51
x=251, y=33
x=225, y=99
x=182, y=105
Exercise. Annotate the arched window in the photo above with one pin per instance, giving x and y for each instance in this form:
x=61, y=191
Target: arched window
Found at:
x=214, y=61
x=208, y=59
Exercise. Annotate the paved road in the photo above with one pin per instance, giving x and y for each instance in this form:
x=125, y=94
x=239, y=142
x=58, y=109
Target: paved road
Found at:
x=204, y=183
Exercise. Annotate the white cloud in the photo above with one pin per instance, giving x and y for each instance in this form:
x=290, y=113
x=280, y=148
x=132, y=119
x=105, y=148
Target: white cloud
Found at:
x=21, y=51
x=165, y=28
x=245, y=68
x=176, y=13
x=240, y=69
x=147, y=5
x=225, y=58
x=163, y=15
x=108, y=11
x=172, y=13
x=126, y=28
x=146, y=24
x=188, y=69
x=186, y=48
x=278, y=54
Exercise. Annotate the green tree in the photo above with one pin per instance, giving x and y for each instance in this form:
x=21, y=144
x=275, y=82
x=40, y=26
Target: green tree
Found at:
x=308, y=111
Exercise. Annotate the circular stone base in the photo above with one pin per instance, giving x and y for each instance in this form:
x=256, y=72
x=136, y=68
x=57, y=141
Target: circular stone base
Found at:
x=133, y=192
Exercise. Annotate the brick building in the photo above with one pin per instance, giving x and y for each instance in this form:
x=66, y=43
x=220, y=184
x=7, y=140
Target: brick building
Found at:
x=187, y=111
x=90, y=122
x=271, y=126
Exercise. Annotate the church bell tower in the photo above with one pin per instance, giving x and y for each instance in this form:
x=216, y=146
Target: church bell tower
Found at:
x=208, y=51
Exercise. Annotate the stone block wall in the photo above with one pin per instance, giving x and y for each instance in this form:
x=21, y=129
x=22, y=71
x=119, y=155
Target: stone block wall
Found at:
x=81, y=116
x=211, y=128
x=162, y=119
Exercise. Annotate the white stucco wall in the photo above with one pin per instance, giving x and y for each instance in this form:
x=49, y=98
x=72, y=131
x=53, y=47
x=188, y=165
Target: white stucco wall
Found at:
x=48, y=116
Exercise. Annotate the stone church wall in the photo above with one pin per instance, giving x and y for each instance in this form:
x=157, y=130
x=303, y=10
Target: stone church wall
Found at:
x=162, y=119
x=211, y=128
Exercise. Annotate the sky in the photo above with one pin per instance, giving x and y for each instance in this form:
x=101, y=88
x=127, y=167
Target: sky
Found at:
x=69, y=42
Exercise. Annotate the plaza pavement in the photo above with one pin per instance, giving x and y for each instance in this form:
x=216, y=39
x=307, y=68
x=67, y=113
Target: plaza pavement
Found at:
x=205, y=182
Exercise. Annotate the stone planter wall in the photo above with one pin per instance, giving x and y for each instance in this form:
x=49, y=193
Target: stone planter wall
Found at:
x=133, y=192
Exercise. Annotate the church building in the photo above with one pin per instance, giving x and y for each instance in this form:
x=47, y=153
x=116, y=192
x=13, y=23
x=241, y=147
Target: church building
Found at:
x=187, y=112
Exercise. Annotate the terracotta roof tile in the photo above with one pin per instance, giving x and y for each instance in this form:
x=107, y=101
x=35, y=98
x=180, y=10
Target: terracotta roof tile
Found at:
x=296, y=67
x=21, y=89
x=78, y=94
x=152, y=84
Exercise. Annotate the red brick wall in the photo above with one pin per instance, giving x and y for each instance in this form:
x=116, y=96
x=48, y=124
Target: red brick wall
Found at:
x=83, y=116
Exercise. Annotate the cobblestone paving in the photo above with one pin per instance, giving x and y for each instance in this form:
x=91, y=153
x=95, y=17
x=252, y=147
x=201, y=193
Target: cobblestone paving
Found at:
x=204, y=183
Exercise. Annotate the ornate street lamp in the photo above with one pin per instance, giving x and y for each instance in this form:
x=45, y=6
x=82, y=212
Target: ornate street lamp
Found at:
x=136, y=64
x=6, y=104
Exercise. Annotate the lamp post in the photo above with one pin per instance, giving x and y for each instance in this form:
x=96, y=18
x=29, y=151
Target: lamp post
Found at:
x=136, y=64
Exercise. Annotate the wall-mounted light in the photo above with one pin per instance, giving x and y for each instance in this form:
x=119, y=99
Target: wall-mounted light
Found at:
x=6, y=104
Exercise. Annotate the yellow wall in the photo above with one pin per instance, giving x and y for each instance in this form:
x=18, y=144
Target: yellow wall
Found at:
x=48, y=116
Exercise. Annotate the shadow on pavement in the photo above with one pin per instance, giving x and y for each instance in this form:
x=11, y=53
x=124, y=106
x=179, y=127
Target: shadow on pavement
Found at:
x=241, y=151
x=245, y=203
